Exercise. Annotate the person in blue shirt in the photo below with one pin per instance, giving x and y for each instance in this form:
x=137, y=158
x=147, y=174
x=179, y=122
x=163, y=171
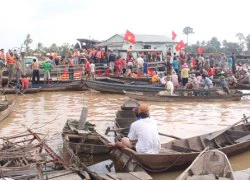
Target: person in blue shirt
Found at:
x=175, y=64
x=145, y=69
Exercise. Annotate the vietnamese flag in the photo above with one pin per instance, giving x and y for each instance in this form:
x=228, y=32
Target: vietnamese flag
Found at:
x=130, y=37
x=179, y=46
x=173, y=35
x=200, y=49
x=150, y=72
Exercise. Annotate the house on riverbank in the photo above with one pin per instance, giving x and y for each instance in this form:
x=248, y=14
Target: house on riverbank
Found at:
x=117, y=42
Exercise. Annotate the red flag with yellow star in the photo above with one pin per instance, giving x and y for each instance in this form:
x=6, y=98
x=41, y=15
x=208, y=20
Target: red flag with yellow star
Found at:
x=179, y=46
x=130, y=37
x=173, y=35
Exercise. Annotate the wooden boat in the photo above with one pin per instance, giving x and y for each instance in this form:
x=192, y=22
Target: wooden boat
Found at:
x=202, y=96
x=84, y=140
x=211, y=164
x=27, y=156
x=67, y=86
x=145, y=80
x=108, y=87
x=178, y=154
x=6, y=108
x=241, y=86
x=19, y=91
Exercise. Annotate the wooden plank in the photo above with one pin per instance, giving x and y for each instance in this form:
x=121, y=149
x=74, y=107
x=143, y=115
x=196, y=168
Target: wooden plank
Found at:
x=216, y=134
x=184, y=149
x=242, y=139
x=113, y=176
x=82, y=121
x=141, y=175
x=242, y=174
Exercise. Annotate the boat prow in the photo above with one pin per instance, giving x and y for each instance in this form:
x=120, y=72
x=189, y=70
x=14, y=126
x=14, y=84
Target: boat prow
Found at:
x=210, y=164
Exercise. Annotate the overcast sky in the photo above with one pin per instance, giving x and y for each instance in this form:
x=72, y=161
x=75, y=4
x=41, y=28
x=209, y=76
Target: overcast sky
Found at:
x=63, y=21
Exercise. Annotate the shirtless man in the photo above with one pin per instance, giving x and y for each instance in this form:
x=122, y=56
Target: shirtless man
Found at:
x=35, y=68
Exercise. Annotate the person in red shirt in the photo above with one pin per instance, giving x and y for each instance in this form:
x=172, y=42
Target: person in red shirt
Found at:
x=25, y=82
x=211, y=72
x=117, y=66
x=87, y=69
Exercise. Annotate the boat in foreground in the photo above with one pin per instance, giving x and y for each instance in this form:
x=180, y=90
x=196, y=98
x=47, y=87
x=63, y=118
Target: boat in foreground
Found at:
x=210, y=164
x=6, y=108
x=178, y=154
x=191, y=96
x=82, y=138
x=19, y=91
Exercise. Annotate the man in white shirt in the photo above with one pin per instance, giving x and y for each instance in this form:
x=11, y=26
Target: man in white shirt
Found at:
x=139, y=64
x=144, y=133
x=92, y=70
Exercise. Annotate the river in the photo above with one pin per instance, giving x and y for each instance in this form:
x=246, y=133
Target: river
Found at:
x=47, y=113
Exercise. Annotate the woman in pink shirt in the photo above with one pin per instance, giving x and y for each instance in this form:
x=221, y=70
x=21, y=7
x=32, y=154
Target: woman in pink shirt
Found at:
x=174, y=79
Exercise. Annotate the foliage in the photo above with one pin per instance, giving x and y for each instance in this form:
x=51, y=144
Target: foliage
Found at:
x=27, y=42
x=188, y=30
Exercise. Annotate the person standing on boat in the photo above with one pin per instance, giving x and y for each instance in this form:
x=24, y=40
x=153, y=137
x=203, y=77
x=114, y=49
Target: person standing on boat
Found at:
x=35, y=73
x=185, y=74
x=2, y=64
x=233, y=63
x=92, y=70
x=143, y=133
x=139, y=64
x=175, y=64
x=47, y=66
x=18, y=73
x=11, y=65
x=71, y=69
x=111, y=60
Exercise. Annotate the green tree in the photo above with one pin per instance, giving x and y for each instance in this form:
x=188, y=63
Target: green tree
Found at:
x=214, y=46
x=247, y=40
x=188, y=30
x=241, y=38
x=27, y=42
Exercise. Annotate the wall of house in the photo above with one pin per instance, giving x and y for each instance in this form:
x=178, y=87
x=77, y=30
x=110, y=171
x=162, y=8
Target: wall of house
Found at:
x=139, y=45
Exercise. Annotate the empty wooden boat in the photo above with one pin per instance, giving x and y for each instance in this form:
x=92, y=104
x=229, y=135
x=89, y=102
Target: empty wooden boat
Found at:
x=209, y=165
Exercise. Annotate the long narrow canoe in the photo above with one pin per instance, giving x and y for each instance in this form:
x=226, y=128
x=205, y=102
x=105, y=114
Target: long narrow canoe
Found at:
x=19, y=91
x=241, y=86
x=179, y=154
x=67, y=86
x=200, y=97
x=6, y=108
x=109, y=87
x=211, y=164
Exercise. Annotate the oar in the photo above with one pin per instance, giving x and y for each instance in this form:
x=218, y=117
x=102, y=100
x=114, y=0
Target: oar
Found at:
x=121, y=129
x=168, y=135
x=214, y=135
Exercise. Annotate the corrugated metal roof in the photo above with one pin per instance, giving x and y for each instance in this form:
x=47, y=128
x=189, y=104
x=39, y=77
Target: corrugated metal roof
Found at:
x=150, y=38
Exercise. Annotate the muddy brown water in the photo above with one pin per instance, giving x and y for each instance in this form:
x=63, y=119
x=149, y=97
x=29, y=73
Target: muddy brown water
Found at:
x=47, y=112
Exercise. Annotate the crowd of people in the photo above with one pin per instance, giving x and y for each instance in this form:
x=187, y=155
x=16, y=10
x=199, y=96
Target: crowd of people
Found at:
x=187, y=70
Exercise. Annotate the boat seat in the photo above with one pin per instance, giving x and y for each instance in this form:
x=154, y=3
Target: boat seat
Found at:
x=202, y=177
x=242, y=139
x=183, y=148
x=163, y=150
